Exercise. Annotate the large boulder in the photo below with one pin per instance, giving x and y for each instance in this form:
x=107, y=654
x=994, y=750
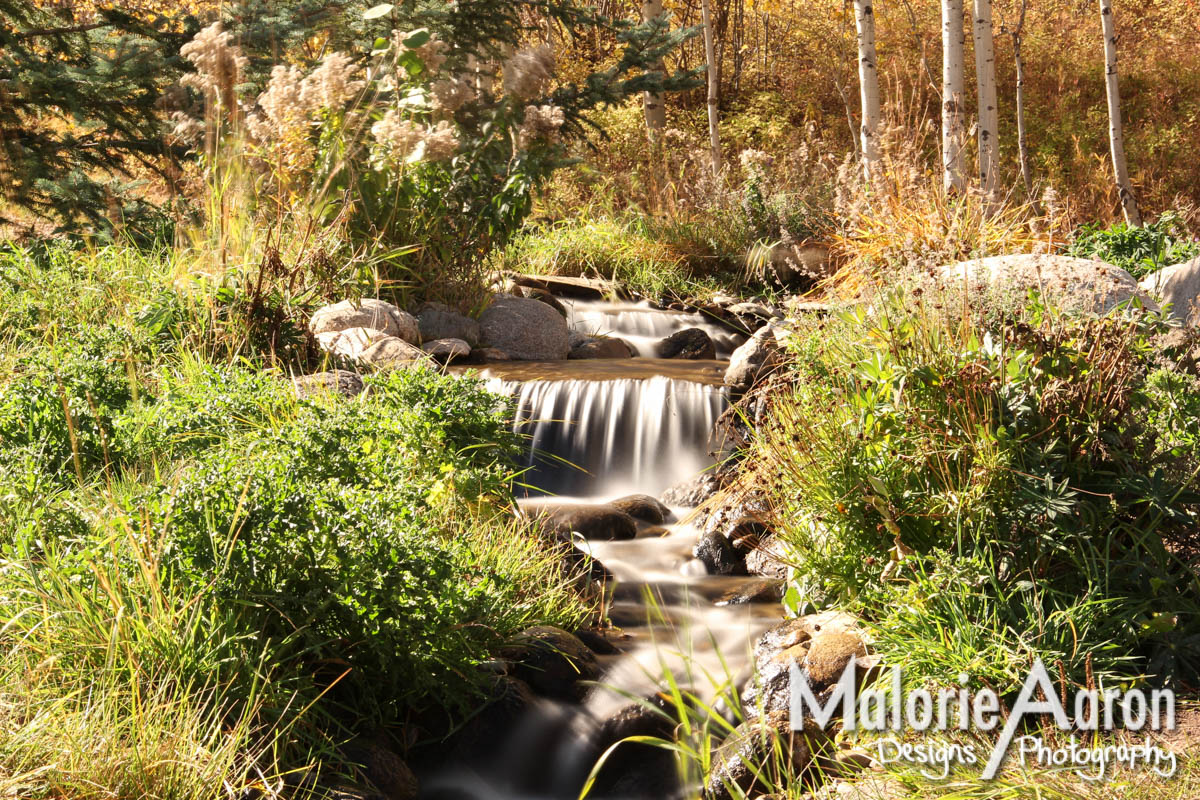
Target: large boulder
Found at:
x=1179, y=285
x=527, y=330
x=690, y=343
x=391, y=352
x=760, y=354
x=1073, y=283
x=438, y=321
x=350, y=342
x=382, y=768
x=366, y=313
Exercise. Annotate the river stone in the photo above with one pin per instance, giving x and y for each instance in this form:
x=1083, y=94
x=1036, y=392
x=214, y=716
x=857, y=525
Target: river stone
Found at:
x=718, y=555
x=693, y=491
x=366, y=313
x=544, y=296
x=447, y=349
x=340, y=381
x=490, y=355
x=643, y=507
x=552, y=662
x=829, y=653
x=602, y=348
x=796, y=263
x=509, y=700
x=635, y=769
x=526, y=330
x=760, y=354
x=1179, y=285
x=600, y=521
x=768, y=559
x=390, y=352
x=748, y=309
x=383, y=769
x=771, y=687
x=754, y=744
x=1076, y=284
x=689, y=343
x=754, y=591
x=439, y=321
x=351, y=342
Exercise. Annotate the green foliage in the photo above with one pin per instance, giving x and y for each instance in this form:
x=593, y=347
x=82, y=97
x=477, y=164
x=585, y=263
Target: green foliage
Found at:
x=81, y=107
x=913, y=448
x=1138, y=251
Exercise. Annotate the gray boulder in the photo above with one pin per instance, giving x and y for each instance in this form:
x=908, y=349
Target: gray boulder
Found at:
x=390, y=352
x=447, y=349
x=760, y=354
x=439, y=321
x=1073, y=283
x=690, y=343
x=350, y=343
x=527, y=330
x=366, y=313
x=1179, y=285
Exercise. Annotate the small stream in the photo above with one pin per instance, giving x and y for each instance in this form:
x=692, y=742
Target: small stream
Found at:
x=598, y=430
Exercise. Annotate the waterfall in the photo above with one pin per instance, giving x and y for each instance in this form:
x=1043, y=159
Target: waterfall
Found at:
x=643, y=326
x=596, y=437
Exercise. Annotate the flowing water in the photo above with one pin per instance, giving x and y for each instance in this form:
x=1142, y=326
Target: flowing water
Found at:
x=643, y=326
x=598, y=430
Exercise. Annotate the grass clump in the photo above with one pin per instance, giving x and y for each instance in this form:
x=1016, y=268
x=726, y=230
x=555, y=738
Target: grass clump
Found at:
x=987, y=488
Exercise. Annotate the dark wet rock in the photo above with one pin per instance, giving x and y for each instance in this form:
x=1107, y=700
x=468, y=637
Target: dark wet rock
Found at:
x=690, y=343
x=747, y=533
x=438, y=321
x=597, y=642
x=576, y=561
x=527, y=330
x=602, y=348
x=643, y=507
x=592, y=521
x=771, y=687
x=382, y=769
x=752, y=745
x=769, y=591
x=340, y=381
x=695, y=490
x=635, y=769
x=447, y=350
x=545, y=297
x=719, y=555
x=509, y=700
x=552, y=662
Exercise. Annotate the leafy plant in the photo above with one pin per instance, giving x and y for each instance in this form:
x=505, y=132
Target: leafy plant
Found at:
x=1138, y=251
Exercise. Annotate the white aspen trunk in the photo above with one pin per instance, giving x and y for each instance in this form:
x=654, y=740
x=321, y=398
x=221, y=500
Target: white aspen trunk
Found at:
x=656, y=112
x=953, y=140
x=868, y=81
x=1022, y=145
x=985, y=75
x=1116, y=136
x=710, y=57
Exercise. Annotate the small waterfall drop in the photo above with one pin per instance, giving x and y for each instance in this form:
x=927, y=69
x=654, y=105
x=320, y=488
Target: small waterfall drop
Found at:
x=643, y=326
x=594, y=437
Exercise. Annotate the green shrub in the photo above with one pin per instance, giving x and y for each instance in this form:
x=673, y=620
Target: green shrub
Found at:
x=912, y=448
x=1139, y=251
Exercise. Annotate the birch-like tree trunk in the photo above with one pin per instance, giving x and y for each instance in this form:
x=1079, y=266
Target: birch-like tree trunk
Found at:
x=1116, y=136
x=1022, y=144
x=710, y=56
x=656, y=112
x=868, y=81
x=953, y=139
x=985, y=76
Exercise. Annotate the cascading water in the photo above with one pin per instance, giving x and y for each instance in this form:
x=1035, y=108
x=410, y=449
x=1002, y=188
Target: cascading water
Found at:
x=598, y=430
x=593, y=437
x=643, y=326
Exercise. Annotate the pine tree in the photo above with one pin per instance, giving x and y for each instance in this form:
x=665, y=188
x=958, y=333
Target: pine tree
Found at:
x=80, y=111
